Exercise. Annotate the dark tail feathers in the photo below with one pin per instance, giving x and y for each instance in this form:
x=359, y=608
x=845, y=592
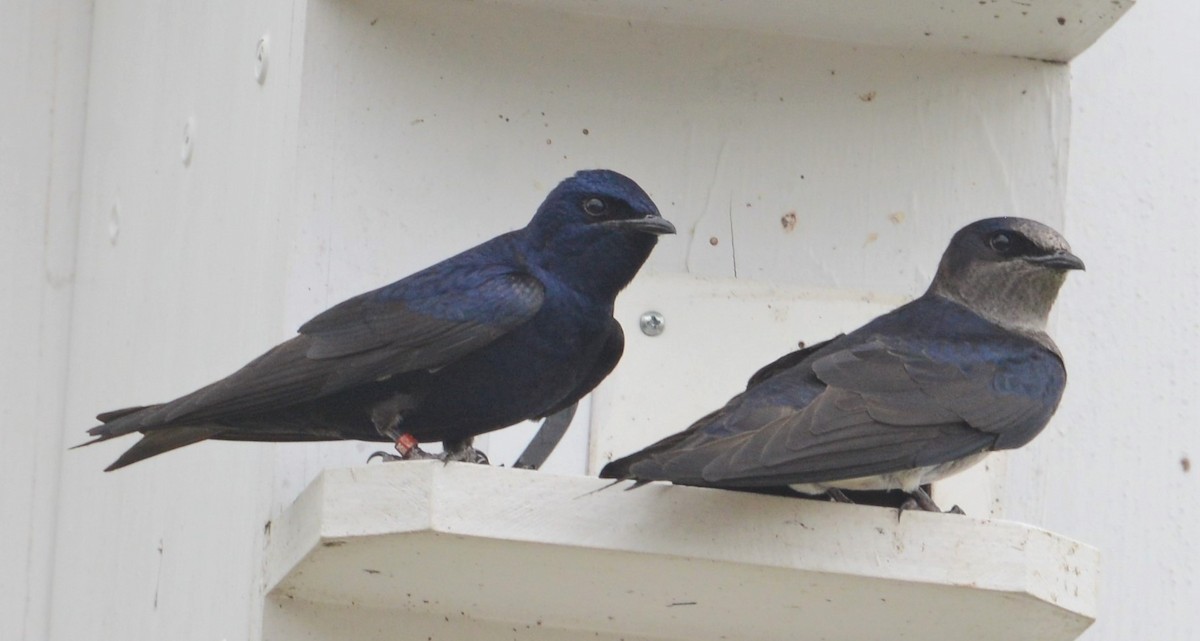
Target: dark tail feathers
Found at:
x=152, y=443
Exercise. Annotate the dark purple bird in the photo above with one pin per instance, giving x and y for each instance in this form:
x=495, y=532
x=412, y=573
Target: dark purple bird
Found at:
x=911, y=397
x=517, y=328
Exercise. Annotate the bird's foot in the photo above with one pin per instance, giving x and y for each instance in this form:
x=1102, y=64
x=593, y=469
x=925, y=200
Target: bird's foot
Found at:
x=407, y=449
x=920, y=500
x=384, y=456
x=421, y=455
x=837, y=496
x=415, y=454
x=462, y=452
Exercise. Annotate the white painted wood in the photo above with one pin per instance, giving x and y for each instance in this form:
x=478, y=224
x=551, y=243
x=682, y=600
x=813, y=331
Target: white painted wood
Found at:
x=718, y=332
x=43, y=73
x=178, y=282
x=499, y=550
x=1039, y=29
x=1111, y=469
x=881, y=154
x=287, y=620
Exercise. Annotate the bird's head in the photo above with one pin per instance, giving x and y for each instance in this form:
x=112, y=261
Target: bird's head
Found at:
x=1008, y=270
x=596, y=228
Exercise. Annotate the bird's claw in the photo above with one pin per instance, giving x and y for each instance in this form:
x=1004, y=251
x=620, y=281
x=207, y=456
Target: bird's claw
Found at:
x=414, y=454
x=920, y=500
x=409, y=450
x=384, y=456
x=469, y=455
x=837, y=496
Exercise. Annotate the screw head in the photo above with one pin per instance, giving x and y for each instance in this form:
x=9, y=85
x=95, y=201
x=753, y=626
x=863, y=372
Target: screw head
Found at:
x=652, y=323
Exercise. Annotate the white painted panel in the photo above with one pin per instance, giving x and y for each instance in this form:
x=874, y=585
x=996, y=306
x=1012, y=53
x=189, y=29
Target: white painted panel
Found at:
x=178, y=282
x=43, y=76
x=291, y=620
x=1119, y=465
x=1038, y=29
x=420, y=118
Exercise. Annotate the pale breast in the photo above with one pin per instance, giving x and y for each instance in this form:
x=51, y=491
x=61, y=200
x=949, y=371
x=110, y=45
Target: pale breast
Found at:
x=906, y=480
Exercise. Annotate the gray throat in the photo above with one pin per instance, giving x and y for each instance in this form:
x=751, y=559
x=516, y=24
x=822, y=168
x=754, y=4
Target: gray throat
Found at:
x=1014, y=295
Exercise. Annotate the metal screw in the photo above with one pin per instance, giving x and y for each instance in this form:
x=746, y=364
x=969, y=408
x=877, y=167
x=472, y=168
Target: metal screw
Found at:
x=260, y=60
x=652, y=323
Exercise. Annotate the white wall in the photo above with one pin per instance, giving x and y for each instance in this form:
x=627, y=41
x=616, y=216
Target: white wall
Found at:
x=43, y=82
x=177, y=282
x=1109, y=471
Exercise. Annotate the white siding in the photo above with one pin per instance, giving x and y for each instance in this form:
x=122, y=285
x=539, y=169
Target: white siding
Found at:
x=43, y=81
x=1109, y=469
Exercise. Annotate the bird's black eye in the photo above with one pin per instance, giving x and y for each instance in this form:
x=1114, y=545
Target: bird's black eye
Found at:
x=594, y=206
x=1001, y=242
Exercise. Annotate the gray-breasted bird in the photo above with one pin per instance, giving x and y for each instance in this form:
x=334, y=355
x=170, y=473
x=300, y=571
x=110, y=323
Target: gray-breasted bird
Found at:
x=519, y=327
x=917, y=394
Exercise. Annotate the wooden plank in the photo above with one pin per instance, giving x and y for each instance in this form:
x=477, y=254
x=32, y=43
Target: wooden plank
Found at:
x=512, y=547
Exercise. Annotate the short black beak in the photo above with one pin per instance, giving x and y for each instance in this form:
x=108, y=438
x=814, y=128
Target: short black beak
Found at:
x=1063, y=260
x=652, y=224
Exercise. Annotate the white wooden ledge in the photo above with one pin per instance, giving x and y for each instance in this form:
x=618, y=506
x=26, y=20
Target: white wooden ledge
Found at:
x=1055, y=30
x=426, y=550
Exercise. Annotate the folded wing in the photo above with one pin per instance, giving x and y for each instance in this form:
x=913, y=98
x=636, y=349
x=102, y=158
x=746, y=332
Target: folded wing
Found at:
x=383, y=333
x=889, y=404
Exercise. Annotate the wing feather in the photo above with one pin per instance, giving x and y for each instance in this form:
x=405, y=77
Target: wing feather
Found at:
x=889, y=404
x=364, y=339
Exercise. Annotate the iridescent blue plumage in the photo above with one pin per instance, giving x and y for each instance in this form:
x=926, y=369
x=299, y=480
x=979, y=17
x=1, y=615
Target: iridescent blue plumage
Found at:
x=515, y=328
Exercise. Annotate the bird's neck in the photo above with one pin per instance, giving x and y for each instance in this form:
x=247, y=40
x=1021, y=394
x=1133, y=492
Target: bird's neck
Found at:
x=597, y=267
x=1017, y=299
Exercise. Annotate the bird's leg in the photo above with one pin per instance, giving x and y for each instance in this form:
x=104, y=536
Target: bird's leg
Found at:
x=919, y=499
x=837, y=496
x=410, y=450
x=923, y=500
x=407, y=449
x=386, y=417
